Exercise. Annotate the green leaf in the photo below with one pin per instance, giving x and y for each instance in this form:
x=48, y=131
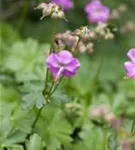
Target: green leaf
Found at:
x=54, y=128
x=59, y=97
x=6, y=32
x=91, y=138
x=33, y=99
x=35, y=143
x=15, y=147
x=14, y=122
x=26, y=60
x=32, y=86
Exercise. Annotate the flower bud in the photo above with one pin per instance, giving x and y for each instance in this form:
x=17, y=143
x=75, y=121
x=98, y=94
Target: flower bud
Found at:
x=82, y=47
x=83, y=33
x=108, y=35
x=90, y=47
x=52, y=10
x=100, y=111
x=123, y=8
x=100, y=29
x=109, y=117
x=126, y=145
x=92, y=35
x=45, y=12
x=41, y=6
x=57, y=13
x=128, y=27
x=115, y=14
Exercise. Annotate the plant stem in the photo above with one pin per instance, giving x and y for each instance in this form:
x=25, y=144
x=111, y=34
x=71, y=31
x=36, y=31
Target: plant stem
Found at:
x=133, y=126
x=46, y=94
x=23, y=14
x=55, y=87
x=51, y=43
x=46, y=80
x=40, y=110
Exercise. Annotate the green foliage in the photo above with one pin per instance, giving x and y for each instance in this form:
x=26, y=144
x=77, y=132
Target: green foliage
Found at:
x=66, y=123
x=50, y=127
x=26, y=60
x=35, y=143
x=33, y=95
x=15, y=147
x=15, y=123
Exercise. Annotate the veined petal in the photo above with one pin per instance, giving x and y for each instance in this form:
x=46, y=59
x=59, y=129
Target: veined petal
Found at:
x=131, y=55
x=64, y=57
x=73, y=65
x=130, y=69
x=68, y=73
x=53, y=70
x=52, y=60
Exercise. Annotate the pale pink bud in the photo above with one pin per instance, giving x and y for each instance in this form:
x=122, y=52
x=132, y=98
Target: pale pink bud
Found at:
x=123, y=8
x=126, y=145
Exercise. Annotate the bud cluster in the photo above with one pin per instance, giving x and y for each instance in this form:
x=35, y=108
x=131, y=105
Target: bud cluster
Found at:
x=82, y=39
x=73, y=108
x=51, y=9
x=127, y=144
x=79, y=39
x=129, y=26
x=104, y=113
x=117, y=13
x=103, y=31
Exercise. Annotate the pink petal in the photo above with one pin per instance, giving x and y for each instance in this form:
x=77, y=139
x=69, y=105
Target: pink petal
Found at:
x=73, y=65
x=71, y=68
x=65, y=4
x=130, y=69
x=92, y=6
x=52, y=60
x=131, y=55
x=53, y=70
x=97, y=12
x=68, y=73
x=64, y=57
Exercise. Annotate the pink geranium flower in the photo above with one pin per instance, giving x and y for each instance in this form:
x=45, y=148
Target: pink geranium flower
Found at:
x=130, y=65
x=97, y=12
x=62, y=64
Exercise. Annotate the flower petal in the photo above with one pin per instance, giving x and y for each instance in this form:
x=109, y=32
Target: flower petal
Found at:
x=54, y=71
x=131, y=55
x=73, y=65
x=92, y=6
x=68, y=73
x=65, y=4
x=64, y=57
x=52, y=60
x=97, y=12
x=130, y=69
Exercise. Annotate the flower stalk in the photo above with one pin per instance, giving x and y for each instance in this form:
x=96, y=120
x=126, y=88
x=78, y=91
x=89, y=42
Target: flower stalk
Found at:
x=133, y=127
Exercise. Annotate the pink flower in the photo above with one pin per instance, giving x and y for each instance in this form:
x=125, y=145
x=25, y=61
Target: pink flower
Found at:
x=62, y=64
x=65, y=4
x=96, y=12
x=130, y=65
